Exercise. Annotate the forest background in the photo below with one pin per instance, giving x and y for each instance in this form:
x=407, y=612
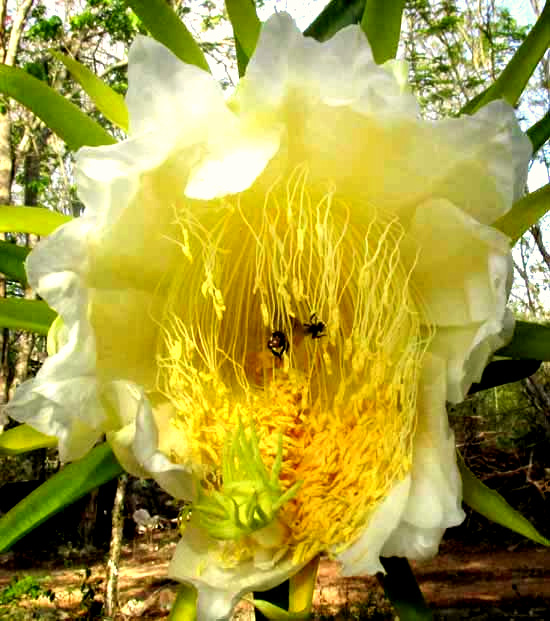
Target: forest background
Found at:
x=454, y=48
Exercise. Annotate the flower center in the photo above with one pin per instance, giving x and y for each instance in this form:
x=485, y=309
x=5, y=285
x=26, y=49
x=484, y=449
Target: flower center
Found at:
x=294, y=316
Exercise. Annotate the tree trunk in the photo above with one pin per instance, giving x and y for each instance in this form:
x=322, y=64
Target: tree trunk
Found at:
x=111, y=588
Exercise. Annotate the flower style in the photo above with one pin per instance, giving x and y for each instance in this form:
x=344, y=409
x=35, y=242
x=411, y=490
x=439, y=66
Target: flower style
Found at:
x=270, y=299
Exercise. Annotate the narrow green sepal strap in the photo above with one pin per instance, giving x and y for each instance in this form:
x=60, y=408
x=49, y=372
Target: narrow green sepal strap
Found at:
x=493, y=506
x=402, y=590
x=37, y=220
x=524, y=213
x=107, y=100
x=245, y=22
x=62, y=489
x=12, y=261
x=70, y=123
x=539, y=132
x=530, y=341
x=500, y=372
x=336, y=15
x=275, y=613
x=185, y=605
x=381, y=22
x=301, y=587
x=167, y=28
x=273, y=600
x=21, y=314
x=22, y=439
x=296, y=593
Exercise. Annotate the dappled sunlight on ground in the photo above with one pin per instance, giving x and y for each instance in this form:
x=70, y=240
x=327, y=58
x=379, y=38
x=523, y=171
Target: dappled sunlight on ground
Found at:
x=458, y=582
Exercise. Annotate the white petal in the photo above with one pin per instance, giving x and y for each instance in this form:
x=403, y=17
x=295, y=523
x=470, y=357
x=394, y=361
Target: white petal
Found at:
x=165, y=92
x=196, y=562
x=174, y=478
x=363, y=555
x=62, y=399
x=434, y=502
x=462, y=267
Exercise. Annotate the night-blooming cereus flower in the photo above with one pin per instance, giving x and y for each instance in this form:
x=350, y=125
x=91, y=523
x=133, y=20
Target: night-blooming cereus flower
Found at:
x=270, y=299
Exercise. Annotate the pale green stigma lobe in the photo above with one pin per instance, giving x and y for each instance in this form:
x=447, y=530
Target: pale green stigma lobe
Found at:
x=249, y=496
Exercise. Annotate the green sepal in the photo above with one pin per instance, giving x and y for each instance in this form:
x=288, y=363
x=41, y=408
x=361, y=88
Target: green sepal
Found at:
x=65, y=487
x=272, y=601
x=336, y=15
x=185, y=605
x=21, y=314
x=402, y=590
x=107, y=101
x=539, y=132
x=530, y=341
x=37, y=220
x=302, y=586
x=12, y=261
x=245, y=22
x=271, y=611
x=500, y=372
x=513, y=79
x=492, y=505
x=381, y=22
x=22, y=439
x=70, y=123
x=295, y=593
x=242, y=58
x=167, y=28
x=524, y=213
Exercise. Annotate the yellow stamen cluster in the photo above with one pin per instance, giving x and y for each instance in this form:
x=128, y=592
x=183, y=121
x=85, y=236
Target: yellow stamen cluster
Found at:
x=343, y=398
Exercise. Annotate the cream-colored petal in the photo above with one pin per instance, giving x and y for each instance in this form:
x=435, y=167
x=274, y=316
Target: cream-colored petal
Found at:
x=462, y=267
x=62, y=399
x=147, y=448
x=467, y=351
x=164, y=92
x=125, y=334
x=363, y=555
x=482, y=161
x=435, y=497
x=68, y=409
x=196, y=562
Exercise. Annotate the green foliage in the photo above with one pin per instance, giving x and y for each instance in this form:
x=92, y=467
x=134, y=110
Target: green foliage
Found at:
x=67, y=120
x=38, y=70
x=110, y=103
x=454, y=53
x=73, y=482
x=35, y=220
x=493, y=506
x=524, y=213
x=109, y=16
x=381, y=22
x=26, y=587
x=530, y=340
x=403, y=591
x=12, y=258
x=335, y=16
x=22, y=439
x=31, y=315
x=46, y=29
x=165, y=26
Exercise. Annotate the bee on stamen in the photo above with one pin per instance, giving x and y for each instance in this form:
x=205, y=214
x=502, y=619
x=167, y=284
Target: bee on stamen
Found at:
x=315, y=328
x=278, y=344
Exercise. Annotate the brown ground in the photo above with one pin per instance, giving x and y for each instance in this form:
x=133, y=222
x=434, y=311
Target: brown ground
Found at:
x=461, y=583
